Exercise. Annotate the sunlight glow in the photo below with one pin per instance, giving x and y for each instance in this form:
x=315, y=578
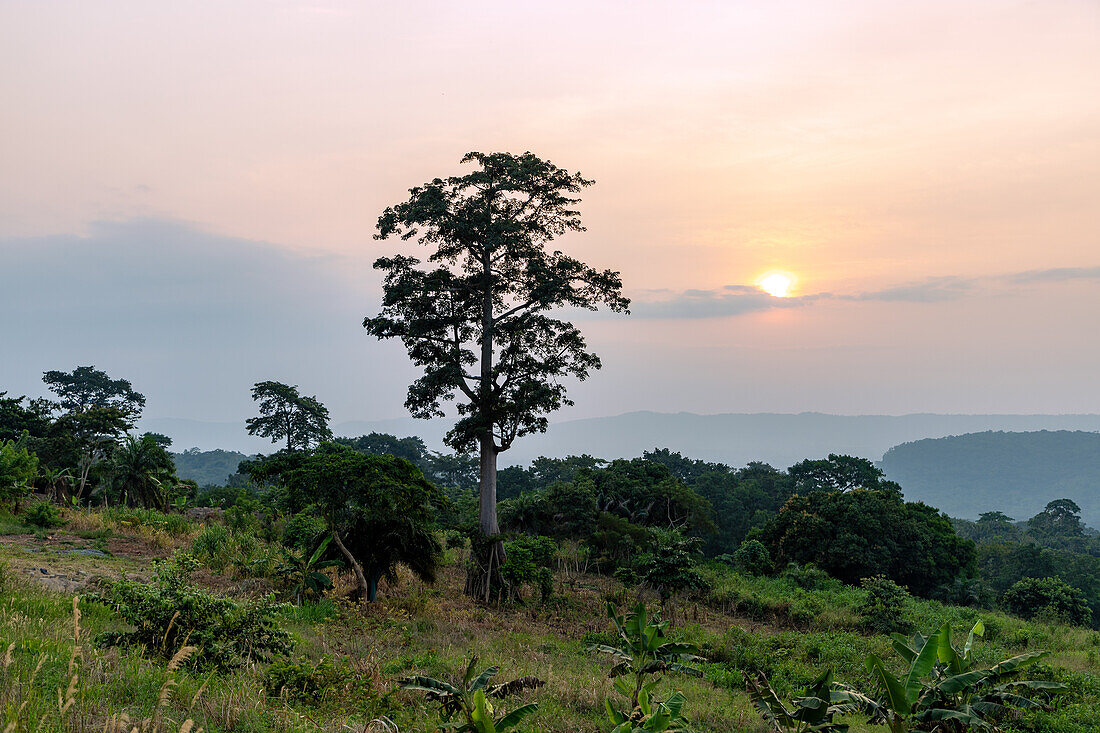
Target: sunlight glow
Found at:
x=777, y=284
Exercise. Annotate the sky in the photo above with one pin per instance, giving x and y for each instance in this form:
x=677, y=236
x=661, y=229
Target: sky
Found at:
x=188, y=194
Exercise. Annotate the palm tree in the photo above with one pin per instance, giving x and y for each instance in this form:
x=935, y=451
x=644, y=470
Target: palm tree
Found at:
x=139, y=468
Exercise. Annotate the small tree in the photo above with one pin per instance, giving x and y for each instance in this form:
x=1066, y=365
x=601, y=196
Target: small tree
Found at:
x=477, y=320
x=287, y=415
x=1031, y=597
x=140, y=472
x=379, y=509
x=646, y=652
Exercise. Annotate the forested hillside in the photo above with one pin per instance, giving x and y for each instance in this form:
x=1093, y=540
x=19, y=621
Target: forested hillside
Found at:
x=1015, y=473
x=207, y=468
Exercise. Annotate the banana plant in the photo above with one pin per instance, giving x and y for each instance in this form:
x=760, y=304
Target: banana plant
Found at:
x=304, y=572
x=472, y=699
x=811, y=713
x=645, y=651
x=954, y=691
x=650, y=715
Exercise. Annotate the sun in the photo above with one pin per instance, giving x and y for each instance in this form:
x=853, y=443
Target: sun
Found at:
x=776, y=284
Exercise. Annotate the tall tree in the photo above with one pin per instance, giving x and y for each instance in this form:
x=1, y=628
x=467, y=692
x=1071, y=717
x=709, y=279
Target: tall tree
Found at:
x=86, y=387
x=477, y=317
x=287, y=415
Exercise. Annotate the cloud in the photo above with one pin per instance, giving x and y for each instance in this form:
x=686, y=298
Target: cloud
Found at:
x=185, y=314
x=929, y=290
x=731, y=300
x=736, y=300
x=1056, y=274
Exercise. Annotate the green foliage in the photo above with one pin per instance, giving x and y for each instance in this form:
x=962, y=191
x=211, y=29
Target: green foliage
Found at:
x=860, y=532
x=140, y=472
x=380, y=508
x=942, y=684
x=302, y=572
x=213, y=547
x=884, y=610
x=286, y=415
x=469, y=699
x=1049, y=598
x=44, y=514
x=650, y=714
x=840, y=473
x=175, y=525
x=319, y=684
x=753, y=557
x=303, y=530
x=169, y=613
x=644, y=651
x=18, y=468
x=670, y=565
x=813, y=711
x=530, y=561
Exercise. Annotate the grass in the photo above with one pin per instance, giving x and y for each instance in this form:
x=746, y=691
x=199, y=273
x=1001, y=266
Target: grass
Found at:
x=744, y=623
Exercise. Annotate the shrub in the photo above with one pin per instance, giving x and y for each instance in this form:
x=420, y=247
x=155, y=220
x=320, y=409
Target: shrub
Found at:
x=213, y=546
x=168, y=613
x=529, y=561
x=303, y=531
x=317, y=683
x=808, y=576
x=883, y=611
x=670, y=566
x=44, y=514
x=753, y=557
x=453, y=539
x=1050, y=598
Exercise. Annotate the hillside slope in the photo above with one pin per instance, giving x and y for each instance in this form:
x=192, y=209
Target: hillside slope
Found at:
x=1016, y=473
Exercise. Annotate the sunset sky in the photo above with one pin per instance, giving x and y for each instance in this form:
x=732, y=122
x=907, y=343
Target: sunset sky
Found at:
x=188, y=193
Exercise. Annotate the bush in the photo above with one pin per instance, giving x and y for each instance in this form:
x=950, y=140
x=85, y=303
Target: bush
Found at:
x=44, y=514
x=530, y=561
x=753, y=557
x=1049, y=598
x=453, y=539
x=317, y=683
x=670, y=566
x=169, y=613
x=883, y=611
x=303, y=531
x=808, y=576
x=213, y=547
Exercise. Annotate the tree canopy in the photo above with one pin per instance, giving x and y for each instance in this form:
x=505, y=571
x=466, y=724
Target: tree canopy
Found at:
x=379, y=509
x=286, y=415
x=86, y=387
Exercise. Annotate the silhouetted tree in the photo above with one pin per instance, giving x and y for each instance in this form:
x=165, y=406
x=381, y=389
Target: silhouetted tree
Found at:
x=86, y=387
x=476, y=319
x=287, y=415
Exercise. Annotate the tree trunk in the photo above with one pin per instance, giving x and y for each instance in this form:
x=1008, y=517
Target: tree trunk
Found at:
x=357, y=569
x=487, y=504
x=483, y=578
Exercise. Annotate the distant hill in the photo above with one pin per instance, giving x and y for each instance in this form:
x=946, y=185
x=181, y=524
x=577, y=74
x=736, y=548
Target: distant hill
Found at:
x=207, y=467
x=1016, y=473
x=736, y=439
